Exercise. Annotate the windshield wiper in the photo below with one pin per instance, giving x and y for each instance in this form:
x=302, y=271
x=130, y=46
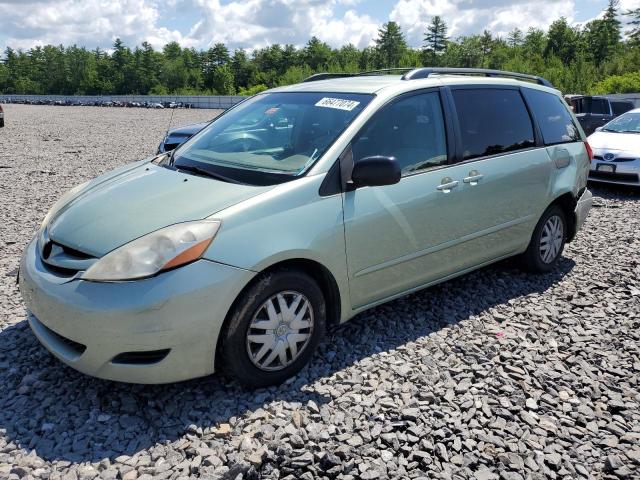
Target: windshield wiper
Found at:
x=629, y=131
x=205, y=173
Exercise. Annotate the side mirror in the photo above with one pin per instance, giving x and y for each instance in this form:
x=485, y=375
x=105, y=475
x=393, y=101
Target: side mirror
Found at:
x=375, y=171
x=598, y=129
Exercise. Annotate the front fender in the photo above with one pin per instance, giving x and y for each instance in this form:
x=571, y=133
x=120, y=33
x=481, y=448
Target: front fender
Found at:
x=290, y=222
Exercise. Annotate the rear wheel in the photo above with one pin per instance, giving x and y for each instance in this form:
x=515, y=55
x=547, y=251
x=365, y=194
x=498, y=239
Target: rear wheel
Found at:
x=547, y=241
x=273, y=329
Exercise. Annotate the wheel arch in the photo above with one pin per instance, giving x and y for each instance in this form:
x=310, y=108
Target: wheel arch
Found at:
x=567, y=202
x=321, y=274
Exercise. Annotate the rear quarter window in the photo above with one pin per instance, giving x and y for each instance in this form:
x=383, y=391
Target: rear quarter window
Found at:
x=492, y=121
x=553, y=117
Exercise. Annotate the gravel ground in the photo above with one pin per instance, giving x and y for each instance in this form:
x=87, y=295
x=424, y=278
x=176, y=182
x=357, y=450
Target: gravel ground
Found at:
x=494, y=375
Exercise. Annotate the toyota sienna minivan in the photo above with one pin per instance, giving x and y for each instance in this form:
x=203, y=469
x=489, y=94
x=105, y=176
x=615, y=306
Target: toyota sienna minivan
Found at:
x=296, y=210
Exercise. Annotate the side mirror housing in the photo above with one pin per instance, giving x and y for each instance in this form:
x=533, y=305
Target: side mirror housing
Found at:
x=598, y=129
x=375, y=171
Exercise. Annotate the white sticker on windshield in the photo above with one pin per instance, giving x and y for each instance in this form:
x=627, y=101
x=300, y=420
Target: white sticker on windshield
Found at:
x=339, y=103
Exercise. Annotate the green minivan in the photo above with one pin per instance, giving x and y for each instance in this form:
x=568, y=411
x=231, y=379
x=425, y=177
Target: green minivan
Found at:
x=296, y=210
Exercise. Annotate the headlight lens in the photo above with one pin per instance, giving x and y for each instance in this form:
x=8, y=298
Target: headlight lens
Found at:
x=167, y=248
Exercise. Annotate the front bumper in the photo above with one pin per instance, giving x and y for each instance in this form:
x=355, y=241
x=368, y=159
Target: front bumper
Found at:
x=181, y=311
x=583, y=205
x=626, y=173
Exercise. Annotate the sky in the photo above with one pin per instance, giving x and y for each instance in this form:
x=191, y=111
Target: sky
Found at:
x=251, y=24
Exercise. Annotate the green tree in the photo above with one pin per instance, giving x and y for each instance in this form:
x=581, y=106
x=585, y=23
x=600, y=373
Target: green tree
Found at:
x=316, y=53
x=390, y=45
x=223, y=80
x=435, y=40
x=562, y=41
x=486, y=43
x=218, y=55
x=634, y=32
x=241, y=68
x=603, y=35
x=515, y=38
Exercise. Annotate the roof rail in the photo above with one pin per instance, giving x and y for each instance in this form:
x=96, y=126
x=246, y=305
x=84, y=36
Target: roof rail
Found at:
x=389, y=71
x=411, y=73
x=425, y=72
x=326, y=76
x=382, y=71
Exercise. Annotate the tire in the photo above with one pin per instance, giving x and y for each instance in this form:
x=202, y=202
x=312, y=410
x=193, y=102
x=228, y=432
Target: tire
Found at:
x=551, y=231
x=247, y=346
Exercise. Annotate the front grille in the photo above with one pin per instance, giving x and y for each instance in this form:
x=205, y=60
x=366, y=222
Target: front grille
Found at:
x=64, y=260
x=619, y=159
x=614, y=177
x=141, y=358
x=75, y=347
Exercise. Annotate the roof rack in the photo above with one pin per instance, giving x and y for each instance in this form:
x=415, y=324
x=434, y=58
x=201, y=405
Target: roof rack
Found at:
x=425, y=72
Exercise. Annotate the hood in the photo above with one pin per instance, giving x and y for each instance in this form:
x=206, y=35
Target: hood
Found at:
x=187, y=130
x=114, y=209
x=624, y=142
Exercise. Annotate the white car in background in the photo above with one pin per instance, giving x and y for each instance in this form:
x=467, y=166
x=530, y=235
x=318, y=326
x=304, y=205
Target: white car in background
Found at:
x=616, y=150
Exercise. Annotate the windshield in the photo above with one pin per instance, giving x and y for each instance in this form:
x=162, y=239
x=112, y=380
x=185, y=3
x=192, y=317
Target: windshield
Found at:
x=626, y=123
x=278, y=133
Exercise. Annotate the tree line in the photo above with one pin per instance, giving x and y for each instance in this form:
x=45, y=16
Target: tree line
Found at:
x=602, y=56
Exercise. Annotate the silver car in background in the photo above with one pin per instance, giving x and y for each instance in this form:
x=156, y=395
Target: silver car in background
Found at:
x=616, y=150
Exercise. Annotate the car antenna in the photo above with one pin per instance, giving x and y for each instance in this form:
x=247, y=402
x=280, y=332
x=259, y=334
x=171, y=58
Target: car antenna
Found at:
x=170, y=121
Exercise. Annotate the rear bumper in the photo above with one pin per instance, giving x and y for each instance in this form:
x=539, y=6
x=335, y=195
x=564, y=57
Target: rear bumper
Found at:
x=584, y=204
x=88, y=324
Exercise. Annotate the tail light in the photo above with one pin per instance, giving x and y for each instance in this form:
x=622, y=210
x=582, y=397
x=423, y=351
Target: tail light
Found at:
x=589, y=150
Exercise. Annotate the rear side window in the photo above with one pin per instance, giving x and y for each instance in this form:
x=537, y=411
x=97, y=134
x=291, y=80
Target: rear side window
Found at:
x=492, y=121
x=621, y=107
x=555, y=121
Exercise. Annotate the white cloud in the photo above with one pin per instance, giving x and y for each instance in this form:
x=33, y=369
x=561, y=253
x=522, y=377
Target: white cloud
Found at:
x=88, y=22
x=257, y=23
x=464, y=17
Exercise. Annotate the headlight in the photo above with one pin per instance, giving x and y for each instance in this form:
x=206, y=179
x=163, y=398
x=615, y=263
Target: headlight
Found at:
x=163, y=249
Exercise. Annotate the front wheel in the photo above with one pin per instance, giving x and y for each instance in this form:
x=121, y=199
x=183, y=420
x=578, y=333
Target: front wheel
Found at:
x=274, y=329
x=547, y=241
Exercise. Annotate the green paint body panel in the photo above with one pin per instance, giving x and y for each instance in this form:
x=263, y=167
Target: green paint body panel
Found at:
x=118, y=208
x=404, y=235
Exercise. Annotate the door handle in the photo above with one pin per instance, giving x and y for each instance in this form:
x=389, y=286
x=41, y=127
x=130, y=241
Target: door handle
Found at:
x=447, y=184
x=473, y=178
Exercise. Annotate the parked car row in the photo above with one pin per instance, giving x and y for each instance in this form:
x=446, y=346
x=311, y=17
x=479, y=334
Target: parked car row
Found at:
x=594, y=111
x=97, y=103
